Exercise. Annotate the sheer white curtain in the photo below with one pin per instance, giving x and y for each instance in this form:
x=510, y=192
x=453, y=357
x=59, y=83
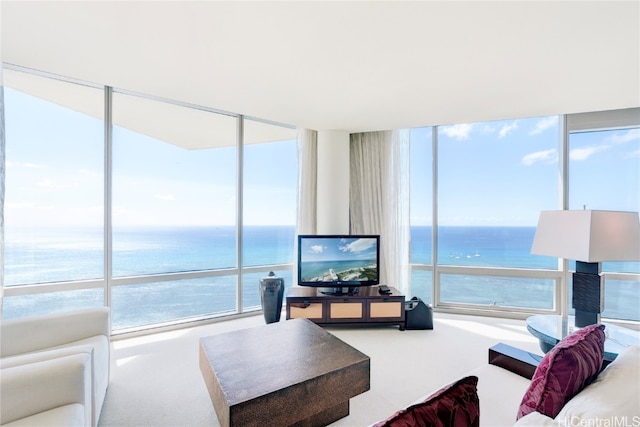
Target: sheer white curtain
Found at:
x=2, y=161
x=307, y=215
x=307, y=181
x=379, y=199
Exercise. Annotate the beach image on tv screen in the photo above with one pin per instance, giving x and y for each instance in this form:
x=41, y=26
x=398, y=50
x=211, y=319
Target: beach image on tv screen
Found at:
x=338, y=260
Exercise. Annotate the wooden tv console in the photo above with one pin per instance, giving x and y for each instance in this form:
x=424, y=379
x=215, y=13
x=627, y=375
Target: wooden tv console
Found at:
x=366, y=307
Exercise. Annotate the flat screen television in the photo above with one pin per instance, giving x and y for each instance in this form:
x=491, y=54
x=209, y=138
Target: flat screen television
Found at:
x=338, y=263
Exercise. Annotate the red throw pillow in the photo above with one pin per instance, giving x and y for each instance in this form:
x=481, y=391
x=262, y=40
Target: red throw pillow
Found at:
x=564, y=371
x=454, y=405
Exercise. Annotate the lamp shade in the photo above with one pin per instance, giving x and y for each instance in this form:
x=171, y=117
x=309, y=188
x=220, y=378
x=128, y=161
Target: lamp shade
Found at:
x=588, y=235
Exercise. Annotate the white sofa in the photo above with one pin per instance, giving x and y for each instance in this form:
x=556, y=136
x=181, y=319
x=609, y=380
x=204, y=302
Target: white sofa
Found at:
x=41, y=357
x=612, y=399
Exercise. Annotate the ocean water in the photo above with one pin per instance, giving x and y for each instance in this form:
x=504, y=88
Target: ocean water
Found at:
x=52, y=255
x=43, y=256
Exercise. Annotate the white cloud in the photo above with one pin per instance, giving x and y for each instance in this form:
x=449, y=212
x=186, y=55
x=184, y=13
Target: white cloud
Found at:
x=89, y=172
x=358, y=245
x=458, y=132
x=32, y=166
x=546, y=156
x=584, y=153
x=318, y=249
x=165, y=197
x=507, y=129
x=19, y=205
x=633, y=154
x=544, y=124
x=47, y=183
x=488, y=129
x=630, y=135
x=24, y=165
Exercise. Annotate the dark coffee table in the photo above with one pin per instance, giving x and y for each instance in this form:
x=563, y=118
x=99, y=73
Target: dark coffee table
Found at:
x=282, y=374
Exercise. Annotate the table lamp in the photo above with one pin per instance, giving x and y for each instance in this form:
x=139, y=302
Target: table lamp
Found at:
x=589, y=237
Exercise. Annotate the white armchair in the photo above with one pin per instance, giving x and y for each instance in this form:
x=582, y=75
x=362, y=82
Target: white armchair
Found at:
x=52, y=392
x=29, y=341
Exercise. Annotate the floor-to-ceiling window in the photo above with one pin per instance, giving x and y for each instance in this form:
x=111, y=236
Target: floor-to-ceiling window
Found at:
x=269, y=205
x=54, y=195
x=421, y=216
x=135, y=202
x=173, y=212
x=604, y=174
x=493, y=180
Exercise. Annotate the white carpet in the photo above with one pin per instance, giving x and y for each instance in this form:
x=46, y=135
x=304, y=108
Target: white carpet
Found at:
x=156, y=381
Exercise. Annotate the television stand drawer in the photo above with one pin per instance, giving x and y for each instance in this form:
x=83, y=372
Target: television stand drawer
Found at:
x=346, y=309
x=366, y=306
x=386, y=309
x=308, y=310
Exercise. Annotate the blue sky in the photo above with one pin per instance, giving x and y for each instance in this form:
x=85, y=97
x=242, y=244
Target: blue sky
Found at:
x=504, y=173
x=496, y=173
x=55, y=174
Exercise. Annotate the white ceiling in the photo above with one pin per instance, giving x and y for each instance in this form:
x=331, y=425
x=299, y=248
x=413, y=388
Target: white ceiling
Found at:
x=335, y=65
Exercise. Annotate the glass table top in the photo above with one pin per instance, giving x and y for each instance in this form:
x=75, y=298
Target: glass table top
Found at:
x=550, y=329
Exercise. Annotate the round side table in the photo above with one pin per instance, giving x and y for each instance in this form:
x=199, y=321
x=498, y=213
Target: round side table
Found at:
x=550, y=329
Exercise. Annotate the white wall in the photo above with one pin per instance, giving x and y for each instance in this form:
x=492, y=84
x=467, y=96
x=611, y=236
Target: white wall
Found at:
x=333, y=182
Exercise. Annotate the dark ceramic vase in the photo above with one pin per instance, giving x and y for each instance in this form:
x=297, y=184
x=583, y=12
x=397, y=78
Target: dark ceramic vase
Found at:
x=271, y=293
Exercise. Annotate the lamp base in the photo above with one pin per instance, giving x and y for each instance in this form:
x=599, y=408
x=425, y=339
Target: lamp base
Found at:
x=586, y=318
x=587, y=293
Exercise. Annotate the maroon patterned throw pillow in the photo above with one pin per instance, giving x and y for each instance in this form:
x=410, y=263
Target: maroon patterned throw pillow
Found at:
x=456, y=405
x=564, y=371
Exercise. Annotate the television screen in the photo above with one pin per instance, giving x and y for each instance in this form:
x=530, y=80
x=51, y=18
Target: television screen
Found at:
x=338, y=260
